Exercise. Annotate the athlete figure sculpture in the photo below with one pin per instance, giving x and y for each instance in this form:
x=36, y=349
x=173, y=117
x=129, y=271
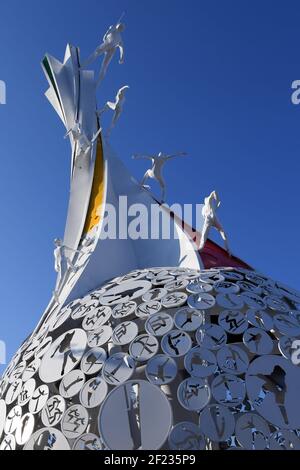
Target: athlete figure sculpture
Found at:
x=211, y=204
x=83, y=144
x=112, y=41
x=158, y=162
x=116, y=106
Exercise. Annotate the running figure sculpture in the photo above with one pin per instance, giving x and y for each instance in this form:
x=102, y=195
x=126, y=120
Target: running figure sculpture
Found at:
x=211, y=204
x=62, y=262
x=158, y=162
x=116, y=106
x=112, y=41
x=83, y=144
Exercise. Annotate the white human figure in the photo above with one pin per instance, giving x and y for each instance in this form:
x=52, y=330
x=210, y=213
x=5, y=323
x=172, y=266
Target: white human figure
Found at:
x=80, y=137
x=116, y=106
x=84, y=145
x=158, y=162
x=112, y=41
x=61, y=261
x=211, y=204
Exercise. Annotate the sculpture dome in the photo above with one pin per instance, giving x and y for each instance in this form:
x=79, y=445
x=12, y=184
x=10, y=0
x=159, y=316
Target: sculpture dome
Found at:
x=162, y=358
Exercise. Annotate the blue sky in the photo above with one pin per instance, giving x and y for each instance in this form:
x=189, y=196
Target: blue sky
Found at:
x=212, y=78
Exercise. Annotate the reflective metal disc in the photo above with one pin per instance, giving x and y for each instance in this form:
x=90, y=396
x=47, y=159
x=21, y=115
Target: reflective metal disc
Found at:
x=161, y=370
x=74, y=421
x=186, y=436
x=159, y=324
x=136, y=415
x=176, y=343
x=200, y=362
x=194, y=394
x=53, y=411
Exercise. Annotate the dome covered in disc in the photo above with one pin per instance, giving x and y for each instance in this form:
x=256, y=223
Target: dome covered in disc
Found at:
x=162, y=358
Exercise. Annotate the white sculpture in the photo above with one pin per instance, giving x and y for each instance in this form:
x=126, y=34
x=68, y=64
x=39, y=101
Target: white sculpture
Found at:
x=84, y=145
x=61, y=260
x=158, y=162
x=116, y=106
x=211, y=204
x=112, y=41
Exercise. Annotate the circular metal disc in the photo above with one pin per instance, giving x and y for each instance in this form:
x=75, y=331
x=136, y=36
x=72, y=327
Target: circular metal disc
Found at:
x=161, y=370
x=159, y=324
x=277, y=304
x=252, y=432
x=74, y=421
x=217, y=423
x=26, y=392
x=118, y=368
x=230, y=301
x=176, y=343
x=186, y=436
x=211, y=336
x=13, y=392
x=188, y=319
x=232, y=359
x=83, y=309
x=126, y=291
x=226, y=287
x=146, y=309
x=39, y=399
x=287, y=325
x=47, y=439
x=124, y=333
x=273, y=385
x=260, y=319
x=13, y=419
x=228, y=390
x=194, y=394
x=143, y=347
x=284, y=440
x=174, y=299
x=201, y=301
x=200, y=362
x=136, y=415
x=258, y=341
x=31, y=370
x=71, y=384
x=198, y=287
x=124, y=310
x=93, y=392
x=25, y=429
x=88, y=442
x=63, y=356
x=96, y=318
x=8, y=443
x=100, y=337
x=53, y=412
x=233, y=321
x=93, y=361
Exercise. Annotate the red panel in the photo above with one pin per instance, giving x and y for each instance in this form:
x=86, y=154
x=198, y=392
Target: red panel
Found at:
x=214, y=256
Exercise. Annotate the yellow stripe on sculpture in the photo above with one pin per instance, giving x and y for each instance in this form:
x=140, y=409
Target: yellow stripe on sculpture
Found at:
x=97, y=194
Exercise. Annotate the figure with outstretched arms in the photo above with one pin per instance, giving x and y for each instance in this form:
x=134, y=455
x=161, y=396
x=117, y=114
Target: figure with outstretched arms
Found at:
x=209, y=212
x=155, y=172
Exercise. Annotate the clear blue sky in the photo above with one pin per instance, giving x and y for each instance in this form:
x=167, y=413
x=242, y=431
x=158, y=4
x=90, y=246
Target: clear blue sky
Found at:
x=212, y=78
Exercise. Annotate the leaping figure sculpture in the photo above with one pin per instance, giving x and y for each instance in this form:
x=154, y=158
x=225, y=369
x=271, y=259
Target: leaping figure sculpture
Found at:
x=112, y=41
x=116, y=106
x=158, y=162
x=211, y=204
